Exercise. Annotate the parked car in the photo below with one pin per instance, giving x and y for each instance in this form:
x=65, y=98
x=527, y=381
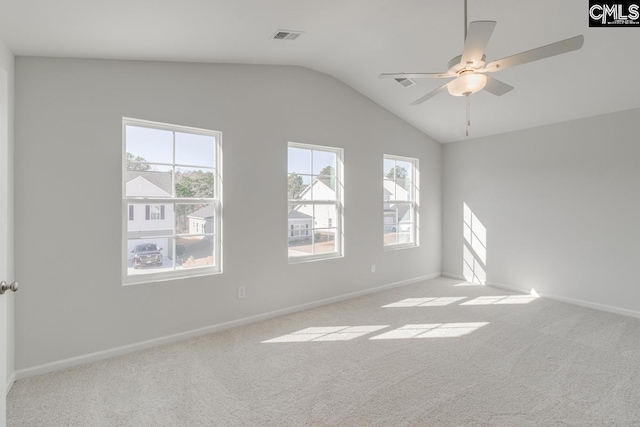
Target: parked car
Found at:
x=146, y=254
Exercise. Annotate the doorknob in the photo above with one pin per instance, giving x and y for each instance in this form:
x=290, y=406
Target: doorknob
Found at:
x=12, y=287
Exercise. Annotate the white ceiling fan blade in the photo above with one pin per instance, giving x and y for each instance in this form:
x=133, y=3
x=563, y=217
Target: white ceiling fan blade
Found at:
x=497, y=87
x=477, y=39
x=430, y=94
x=414, y=75
x=553, y=49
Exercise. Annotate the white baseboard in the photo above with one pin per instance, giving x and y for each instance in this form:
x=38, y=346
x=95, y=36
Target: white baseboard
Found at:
x=453, y=276
x=568, y=300
x=594, y=305
x=509, y=288
x=10, y=380
x=130, y=348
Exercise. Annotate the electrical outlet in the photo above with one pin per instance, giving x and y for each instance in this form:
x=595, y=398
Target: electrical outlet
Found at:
x=373, y=268
x=242, y=292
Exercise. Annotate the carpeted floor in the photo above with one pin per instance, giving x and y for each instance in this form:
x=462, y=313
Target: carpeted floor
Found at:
x=437, y=353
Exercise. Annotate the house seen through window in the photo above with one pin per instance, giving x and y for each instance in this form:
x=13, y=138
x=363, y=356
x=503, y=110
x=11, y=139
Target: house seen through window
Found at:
x=315, y=202
x=171, y=200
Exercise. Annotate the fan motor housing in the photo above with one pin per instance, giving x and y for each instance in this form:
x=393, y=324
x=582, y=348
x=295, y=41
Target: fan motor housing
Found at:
x=455, y=66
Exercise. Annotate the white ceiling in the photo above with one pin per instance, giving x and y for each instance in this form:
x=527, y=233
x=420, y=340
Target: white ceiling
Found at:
x=355, y=40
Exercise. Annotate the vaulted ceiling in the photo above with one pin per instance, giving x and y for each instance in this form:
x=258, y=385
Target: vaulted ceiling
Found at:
x=355, y=41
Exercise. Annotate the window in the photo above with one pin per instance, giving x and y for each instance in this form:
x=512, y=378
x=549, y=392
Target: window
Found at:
x=400, y=190
x=171, y=199
x=154, y=212
x=315, y=202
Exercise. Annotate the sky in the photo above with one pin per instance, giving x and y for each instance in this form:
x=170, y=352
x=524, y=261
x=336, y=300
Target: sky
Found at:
x=156, y=146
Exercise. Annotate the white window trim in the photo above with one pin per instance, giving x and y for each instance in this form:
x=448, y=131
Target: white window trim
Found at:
x=415, y=202
x=216, y=201
x=339, y=202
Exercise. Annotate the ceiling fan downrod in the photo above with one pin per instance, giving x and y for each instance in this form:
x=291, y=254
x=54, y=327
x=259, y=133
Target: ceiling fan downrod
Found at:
x=465, y=20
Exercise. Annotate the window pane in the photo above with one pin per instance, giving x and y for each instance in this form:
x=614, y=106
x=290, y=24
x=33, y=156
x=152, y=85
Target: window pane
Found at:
x=149, y=255
x=299, y=161
x=389, y=168
x=403, y=170
x=323, y=188
x=390, y=234
x=195, y=182
x=325, y=241
x=194, y=251
x=325, y=216
x=399, y=224
x=389, y=189
x=300, y=230
x=324, y=163
x=195, y=218
x=148, y=180
x=402, y=190
x=195, y=150
x=298, y=187
x=150, y=219
x=406, y=232
x=149, y=145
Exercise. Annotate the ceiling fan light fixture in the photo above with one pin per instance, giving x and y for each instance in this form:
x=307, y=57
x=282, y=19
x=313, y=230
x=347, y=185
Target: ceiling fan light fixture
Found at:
x=467, y=84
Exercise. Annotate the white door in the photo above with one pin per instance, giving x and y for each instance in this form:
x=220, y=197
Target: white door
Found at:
x=4, y=203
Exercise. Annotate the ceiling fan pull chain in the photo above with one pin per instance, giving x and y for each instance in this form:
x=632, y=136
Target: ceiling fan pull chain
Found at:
x=468, y=112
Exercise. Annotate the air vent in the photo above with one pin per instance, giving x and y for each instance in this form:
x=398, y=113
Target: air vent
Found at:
x=286, y=35
x=406, y=82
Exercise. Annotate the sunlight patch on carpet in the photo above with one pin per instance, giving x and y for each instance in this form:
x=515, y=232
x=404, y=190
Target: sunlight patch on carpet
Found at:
x=327, y=333
x=433, y=330
x=424, y=302
x=501, y=299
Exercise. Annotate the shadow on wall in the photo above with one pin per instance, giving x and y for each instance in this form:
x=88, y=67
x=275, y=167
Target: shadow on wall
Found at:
x=474, y=248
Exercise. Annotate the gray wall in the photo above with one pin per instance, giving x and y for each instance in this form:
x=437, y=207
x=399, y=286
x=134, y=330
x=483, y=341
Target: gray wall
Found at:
x=7, y=64
x=68, y=197
x=560, y=204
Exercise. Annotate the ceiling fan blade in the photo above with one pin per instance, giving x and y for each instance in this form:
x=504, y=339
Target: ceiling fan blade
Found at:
x=477, y=39
x=414, y=75
x=497, y=87
x=430, y=94
x=553, y=49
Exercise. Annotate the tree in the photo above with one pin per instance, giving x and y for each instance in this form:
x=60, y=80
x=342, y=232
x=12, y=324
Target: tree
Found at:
x=137, y=166
x=192, y=184
x=329, y=171
x=295, y=186
x=397, y=172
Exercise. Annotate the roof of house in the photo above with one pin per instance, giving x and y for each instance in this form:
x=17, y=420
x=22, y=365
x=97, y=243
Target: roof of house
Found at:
x=298, y=215
x=162, y=180
x=203, y=213
x=328, y=181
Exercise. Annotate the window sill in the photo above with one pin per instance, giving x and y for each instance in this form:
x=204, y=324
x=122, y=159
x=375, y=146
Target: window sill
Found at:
x=139, y=279
x=311, y=258
x=400, y=246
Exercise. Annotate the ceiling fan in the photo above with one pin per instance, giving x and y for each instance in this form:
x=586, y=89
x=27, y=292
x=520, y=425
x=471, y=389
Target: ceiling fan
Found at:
x=469, y=70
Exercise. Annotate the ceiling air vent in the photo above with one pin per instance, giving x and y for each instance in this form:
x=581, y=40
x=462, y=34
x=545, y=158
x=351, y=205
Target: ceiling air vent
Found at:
x=286, y=35
x=406, y=82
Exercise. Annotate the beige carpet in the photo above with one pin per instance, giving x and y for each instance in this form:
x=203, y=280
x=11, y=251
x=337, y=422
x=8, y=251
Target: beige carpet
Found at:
x=437, y=353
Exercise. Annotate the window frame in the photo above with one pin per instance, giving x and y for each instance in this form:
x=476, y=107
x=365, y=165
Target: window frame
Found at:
x=216, y=201
x=414, y=202
x=339, y=203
